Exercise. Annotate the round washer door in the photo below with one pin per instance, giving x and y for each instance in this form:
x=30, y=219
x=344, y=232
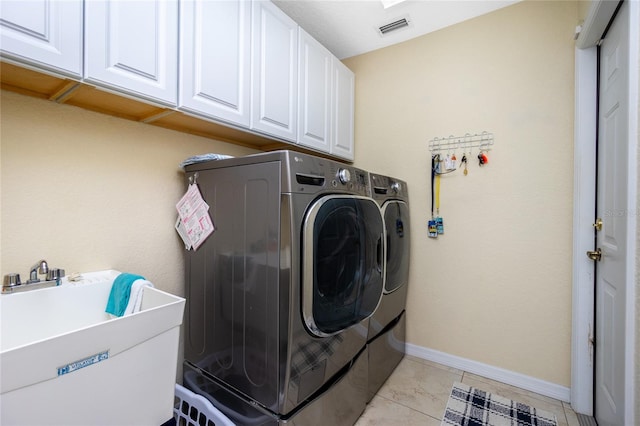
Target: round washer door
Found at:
x=397, y=225
x=342, y=278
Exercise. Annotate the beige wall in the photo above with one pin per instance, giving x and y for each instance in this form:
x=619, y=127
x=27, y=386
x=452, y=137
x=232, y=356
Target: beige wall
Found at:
x=88, y=192
x=496, y=287
x=583, y=9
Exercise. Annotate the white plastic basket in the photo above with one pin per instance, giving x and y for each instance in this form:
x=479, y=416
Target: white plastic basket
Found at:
x=195, y=410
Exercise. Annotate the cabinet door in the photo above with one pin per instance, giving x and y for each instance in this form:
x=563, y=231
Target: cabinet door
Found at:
x=44, y=33
x=343, y=111
x=275, y=64
x=215, y=47
x=314, y=93
x=132, y=46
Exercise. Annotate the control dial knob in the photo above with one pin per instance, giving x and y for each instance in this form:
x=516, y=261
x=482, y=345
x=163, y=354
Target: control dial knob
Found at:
x=344, y=176
x=396, y=187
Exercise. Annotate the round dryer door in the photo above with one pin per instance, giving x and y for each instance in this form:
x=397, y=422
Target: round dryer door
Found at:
x=396, y=220
x=341, y=262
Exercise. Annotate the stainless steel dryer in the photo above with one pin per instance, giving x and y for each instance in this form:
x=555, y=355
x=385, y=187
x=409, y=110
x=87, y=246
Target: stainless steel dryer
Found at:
x=386, y=337
x=279, y=296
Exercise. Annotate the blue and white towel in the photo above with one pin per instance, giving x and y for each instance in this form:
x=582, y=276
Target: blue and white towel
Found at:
x=126, y=294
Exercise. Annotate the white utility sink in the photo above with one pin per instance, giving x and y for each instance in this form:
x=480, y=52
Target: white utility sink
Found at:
x=64, y=361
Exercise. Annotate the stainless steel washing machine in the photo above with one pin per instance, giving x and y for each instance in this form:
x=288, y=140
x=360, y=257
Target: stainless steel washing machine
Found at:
x=279, y=296
x=386, y=336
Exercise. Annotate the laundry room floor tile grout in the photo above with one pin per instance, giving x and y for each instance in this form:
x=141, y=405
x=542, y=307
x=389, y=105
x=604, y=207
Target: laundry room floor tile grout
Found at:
x=416, y=393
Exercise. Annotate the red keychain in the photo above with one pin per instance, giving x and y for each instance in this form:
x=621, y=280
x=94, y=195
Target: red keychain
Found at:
x=482, y=158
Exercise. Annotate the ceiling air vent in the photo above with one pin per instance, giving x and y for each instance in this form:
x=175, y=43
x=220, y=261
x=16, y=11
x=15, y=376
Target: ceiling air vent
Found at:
x=394, y=26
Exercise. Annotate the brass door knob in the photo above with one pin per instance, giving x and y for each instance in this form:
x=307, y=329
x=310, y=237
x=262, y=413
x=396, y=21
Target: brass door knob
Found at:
x=598, y=224
x=595, y=255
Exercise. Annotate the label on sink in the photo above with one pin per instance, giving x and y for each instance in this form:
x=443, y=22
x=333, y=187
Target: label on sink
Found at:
x=77, y=365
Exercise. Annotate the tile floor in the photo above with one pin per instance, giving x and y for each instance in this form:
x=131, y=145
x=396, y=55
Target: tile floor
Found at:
x=417, y=393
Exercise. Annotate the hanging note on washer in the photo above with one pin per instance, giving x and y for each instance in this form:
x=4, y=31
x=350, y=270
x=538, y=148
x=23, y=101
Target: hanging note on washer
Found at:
x=194, y=223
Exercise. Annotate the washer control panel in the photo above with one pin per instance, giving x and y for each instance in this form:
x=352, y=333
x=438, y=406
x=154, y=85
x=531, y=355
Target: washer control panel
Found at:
x=315, y=174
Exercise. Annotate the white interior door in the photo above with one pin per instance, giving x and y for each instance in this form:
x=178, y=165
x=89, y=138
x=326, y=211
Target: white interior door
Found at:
x=612, y=208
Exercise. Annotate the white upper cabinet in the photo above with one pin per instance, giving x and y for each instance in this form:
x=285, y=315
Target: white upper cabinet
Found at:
x=243, y=63
x=215, y=47
x=326, y=100
x=132, y=46
x=274, y=71
x=314, y=90
x=44, y=33
x=342, y=144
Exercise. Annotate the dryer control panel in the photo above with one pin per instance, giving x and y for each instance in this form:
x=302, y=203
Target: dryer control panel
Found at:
x=385, y=188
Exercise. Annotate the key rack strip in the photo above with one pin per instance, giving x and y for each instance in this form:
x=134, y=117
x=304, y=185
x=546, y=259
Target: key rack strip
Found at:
x=483, y=141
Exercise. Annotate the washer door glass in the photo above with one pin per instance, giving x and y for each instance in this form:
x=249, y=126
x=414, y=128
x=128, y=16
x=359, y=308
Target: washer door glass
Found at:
x=342, y=262
x=396, y=220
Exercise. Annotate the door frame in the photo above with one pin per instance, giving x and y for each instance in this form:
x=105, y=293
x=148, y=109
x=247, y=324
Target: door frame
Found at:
x=585, y=133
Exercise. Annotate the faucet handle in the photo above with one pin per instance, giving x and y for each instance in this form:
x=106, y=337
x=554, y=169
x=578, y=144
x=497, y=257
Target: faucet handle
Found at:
x=55, y=274
x=11, y=280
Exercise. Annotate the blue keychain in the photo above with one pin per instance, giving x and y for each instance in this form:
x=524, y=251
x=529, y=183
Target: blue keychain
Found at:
x=433, y=229
x=439, y=225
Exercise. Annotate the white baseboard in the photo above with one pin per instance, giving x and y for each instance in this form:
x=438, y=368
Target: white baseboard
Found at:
x=522, y=381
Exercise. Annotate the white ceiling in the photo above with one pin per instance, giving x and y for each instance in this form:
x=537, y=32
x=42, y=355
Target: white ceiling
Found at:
x=350, y=27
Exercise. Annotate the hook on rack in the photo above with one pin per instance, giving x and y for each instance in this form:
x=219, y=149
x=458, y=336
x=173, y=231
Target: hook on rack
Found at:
x=483, y=141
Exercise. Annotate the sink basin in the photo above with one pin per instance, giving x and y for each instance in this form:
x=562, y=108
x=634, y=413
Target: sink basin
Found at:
x=63, y=360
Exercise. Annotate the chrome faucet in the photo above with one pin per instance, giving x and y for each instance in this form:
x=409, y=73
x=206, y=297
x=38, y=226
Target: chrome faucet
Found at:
x=12, y=284
x=41, y=267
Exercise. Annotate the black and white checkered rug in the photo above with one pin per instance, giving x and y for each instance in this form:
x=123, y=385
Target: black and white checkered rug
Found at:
x=468, y=406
